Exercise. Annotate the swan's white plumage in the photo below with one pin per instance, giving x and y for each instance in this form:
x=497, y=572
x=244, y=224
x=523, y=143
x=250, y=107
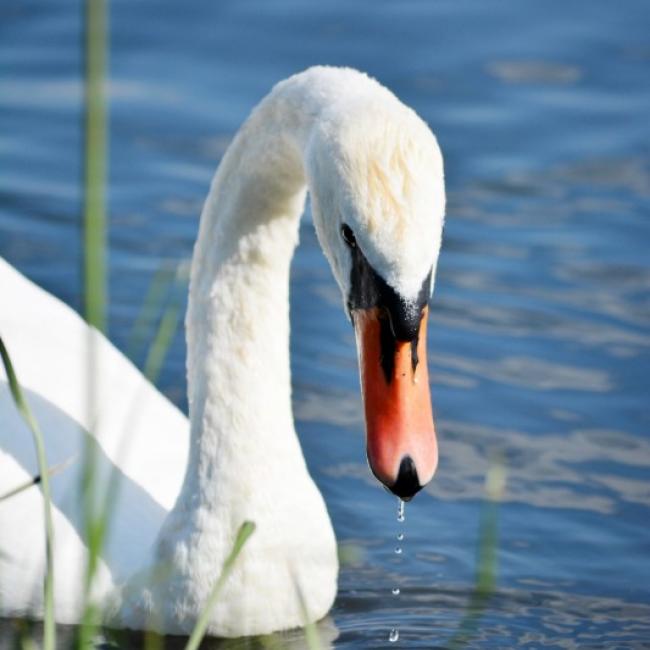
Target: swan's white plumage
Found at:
x=368, y=161
x=47, y=342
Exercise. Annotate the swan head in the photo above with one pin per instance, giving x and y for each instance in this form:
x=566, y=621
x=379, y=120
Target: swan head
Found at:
x=375, y=173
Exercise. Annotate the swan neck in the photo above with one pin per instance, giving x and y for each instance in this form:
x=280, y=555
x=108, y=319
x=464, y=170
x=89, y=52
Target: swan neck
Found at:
x=237, y=325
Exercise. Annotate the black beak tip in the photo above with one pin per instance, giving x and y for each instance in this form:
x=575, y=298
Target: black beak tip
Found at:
x=407, y=484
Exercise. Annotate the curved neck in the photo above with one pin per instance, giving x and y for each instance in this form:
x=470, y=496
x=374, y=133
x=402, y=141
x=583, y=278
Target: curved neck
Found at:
x=238, y=315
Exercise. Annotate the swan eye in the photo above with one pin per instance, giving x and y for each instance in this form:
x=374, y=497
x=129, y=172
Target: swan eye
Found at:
x=348, y=236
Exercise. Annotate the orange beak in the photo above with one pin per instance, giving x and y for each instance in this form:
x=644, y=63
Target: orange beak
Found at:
x=400, y=435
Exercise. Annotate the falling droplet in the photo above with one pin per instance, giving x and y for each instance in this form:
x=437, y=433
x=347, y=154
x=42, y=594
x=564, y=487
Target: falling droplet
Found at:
x=394, y=633
x=400, y=511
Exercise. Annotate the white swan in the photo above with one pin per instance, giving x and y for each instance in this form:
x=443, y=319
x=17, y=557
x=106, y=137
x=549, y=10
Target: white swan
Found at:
x=375, y=175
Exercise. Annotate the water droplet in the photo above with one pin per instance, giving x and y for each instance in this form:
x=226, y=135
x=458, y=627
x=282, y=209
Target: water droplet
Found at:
x=398, y=550
x=400, y=537
x=400, y=511
x=394, y=635
x=395, y=591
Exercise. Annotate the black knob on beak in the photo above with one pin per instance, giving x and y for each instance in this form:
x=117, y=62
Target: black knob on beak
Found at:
x=407, y=484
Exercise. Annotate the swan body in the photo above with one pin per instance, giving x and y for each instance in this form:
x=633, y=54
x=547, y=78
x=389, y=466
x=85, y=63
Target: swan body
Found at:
x=48, y=343
x=372, y=167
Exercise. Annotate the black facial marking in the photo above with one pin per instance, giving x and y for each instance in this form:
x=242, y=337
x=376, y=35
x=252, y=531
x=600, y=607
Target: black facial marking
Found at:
x=414, y=354
x=387, y=343
x=400, y=318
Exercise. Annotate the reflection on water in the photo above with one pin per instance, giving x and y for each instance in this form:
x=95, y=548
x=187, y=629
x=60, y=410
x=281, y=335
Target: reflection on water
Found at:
x=540, y=323
x=515, y=618
x=11, y=631
x=532, y=72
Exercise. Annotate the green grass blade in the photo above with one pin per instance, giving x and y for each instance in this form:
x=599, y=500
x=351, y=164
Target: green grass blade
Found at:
x=56, y=469
x=49, y=630
x=155, y=357
x=27, y=643
x=162, y=342
x=99, y=508
x=20, y=488
x=158, y=289
x=271, y=642
x=169, y=321
x=486, y=571
x=311, y=633
x=95, y=161
x=244, y=532
x=94, y=251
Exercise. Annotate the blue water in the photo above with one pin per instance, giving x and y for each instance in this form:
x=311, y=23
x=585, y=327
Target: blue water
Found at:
x=539, y=334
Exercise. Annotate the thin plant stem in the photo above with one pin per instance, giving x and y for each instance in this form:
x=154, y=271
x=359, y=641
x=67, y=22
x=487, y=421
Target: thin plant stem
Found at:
x=161, y=343
x=49, y=625
x=95, y=160
x=56, y=469
x=312, y=640
x=155, y=357
x=158, y=288
x=94, y=270
x=244, y=532
x=99, y=510
x=486, y=571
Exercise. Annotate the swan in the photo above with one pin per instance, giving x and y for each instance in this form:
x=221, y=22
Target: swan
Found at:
x=374, y=172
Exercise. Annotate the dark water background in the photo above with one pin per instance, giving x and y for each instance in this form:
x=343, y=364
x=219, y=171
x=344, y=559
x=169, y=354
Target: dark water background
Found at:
x=539, y=335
